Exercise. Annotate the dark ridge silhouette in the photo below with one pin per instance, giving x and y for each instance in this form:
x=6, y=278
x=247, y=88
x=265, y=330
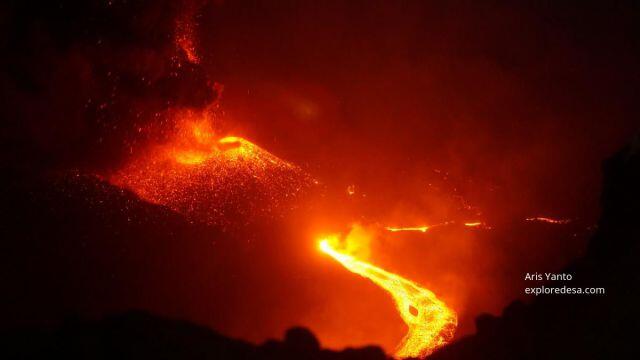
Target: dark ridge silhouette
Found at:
x=140, y=335
x=579, y=326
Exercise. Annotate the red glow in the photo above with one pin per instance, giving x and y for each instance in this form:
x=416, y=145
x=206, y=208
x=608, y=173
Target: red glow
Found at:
x=471, y=154
x=409, y=228
x=549, y=220
x=185, y=36
x=218, y=178
x=209, y=177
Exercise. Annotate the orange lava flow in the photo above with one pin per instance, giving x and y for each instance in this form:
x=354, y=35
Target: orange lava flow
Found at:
x=212, y=179
x=413, y=228
x=424, y=228
x=431, y=323
x=549, y=220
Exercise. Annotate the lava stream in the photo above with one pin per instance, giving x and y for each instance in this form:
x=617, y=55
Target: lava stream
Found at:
x=413, y=228
x=549, y=220
x=431, y=323
x=424, y=228
x=211, y=179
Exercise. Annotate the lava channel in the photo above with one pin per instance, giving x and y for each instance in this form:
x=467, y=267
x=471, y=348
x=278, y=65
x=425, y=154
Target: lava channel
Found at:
x=431, y=323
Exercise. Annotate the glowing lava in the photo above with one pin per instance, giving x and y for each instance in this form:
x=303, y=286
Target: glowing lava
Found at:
x=549, y=220
x=424, y=228
x=431, y=323
x=415, y=228
x=213, y=179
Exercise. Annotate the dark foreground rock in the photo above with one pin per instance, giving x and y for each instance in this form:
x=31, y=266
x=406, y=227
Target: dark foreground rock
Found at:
x=579, y=326
x=140, y=335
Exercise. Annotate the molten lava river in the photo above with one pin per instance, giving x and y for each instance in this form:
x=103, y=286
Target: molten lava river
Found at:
x=431, y=323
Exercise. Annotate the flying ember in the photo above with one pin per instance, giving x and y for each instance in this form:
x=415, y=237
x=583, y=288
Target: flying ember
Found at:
x=431, y=323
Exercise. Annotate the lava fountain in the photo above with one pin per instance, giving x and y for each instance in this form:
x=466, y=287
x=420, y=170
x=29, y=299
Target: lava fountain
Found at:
x=211, y=178
x=431, y=323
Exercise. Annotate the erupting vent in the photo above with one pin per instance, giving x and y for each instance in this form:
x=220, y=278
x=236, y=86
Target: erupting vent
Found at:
x=213, y=180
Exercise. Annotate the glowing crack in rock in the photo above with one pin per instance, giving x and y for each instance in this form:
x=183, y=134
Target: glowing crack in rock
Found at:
x=431, y=323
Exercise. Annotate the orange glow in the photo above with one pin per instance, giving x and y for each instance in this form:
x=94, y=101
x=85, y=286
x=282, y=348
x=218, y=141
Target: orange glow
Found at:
x=414, y=228
x=351, y=189
x=549, y=220
x=186, y=44
x=209, y=178
x=424, y=228
x=431, y=323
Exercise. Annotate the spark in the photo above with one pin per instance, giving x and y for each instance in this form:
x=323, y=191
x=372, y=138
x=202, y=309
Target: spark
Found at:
x=431, y=323
x=185, y=35
x=351, y=189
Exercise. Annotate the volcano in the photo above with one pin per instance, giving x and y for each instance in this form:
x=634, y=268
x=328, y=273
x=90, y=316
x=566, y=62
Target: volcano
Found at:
x=216, y=180
x=197, y=178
